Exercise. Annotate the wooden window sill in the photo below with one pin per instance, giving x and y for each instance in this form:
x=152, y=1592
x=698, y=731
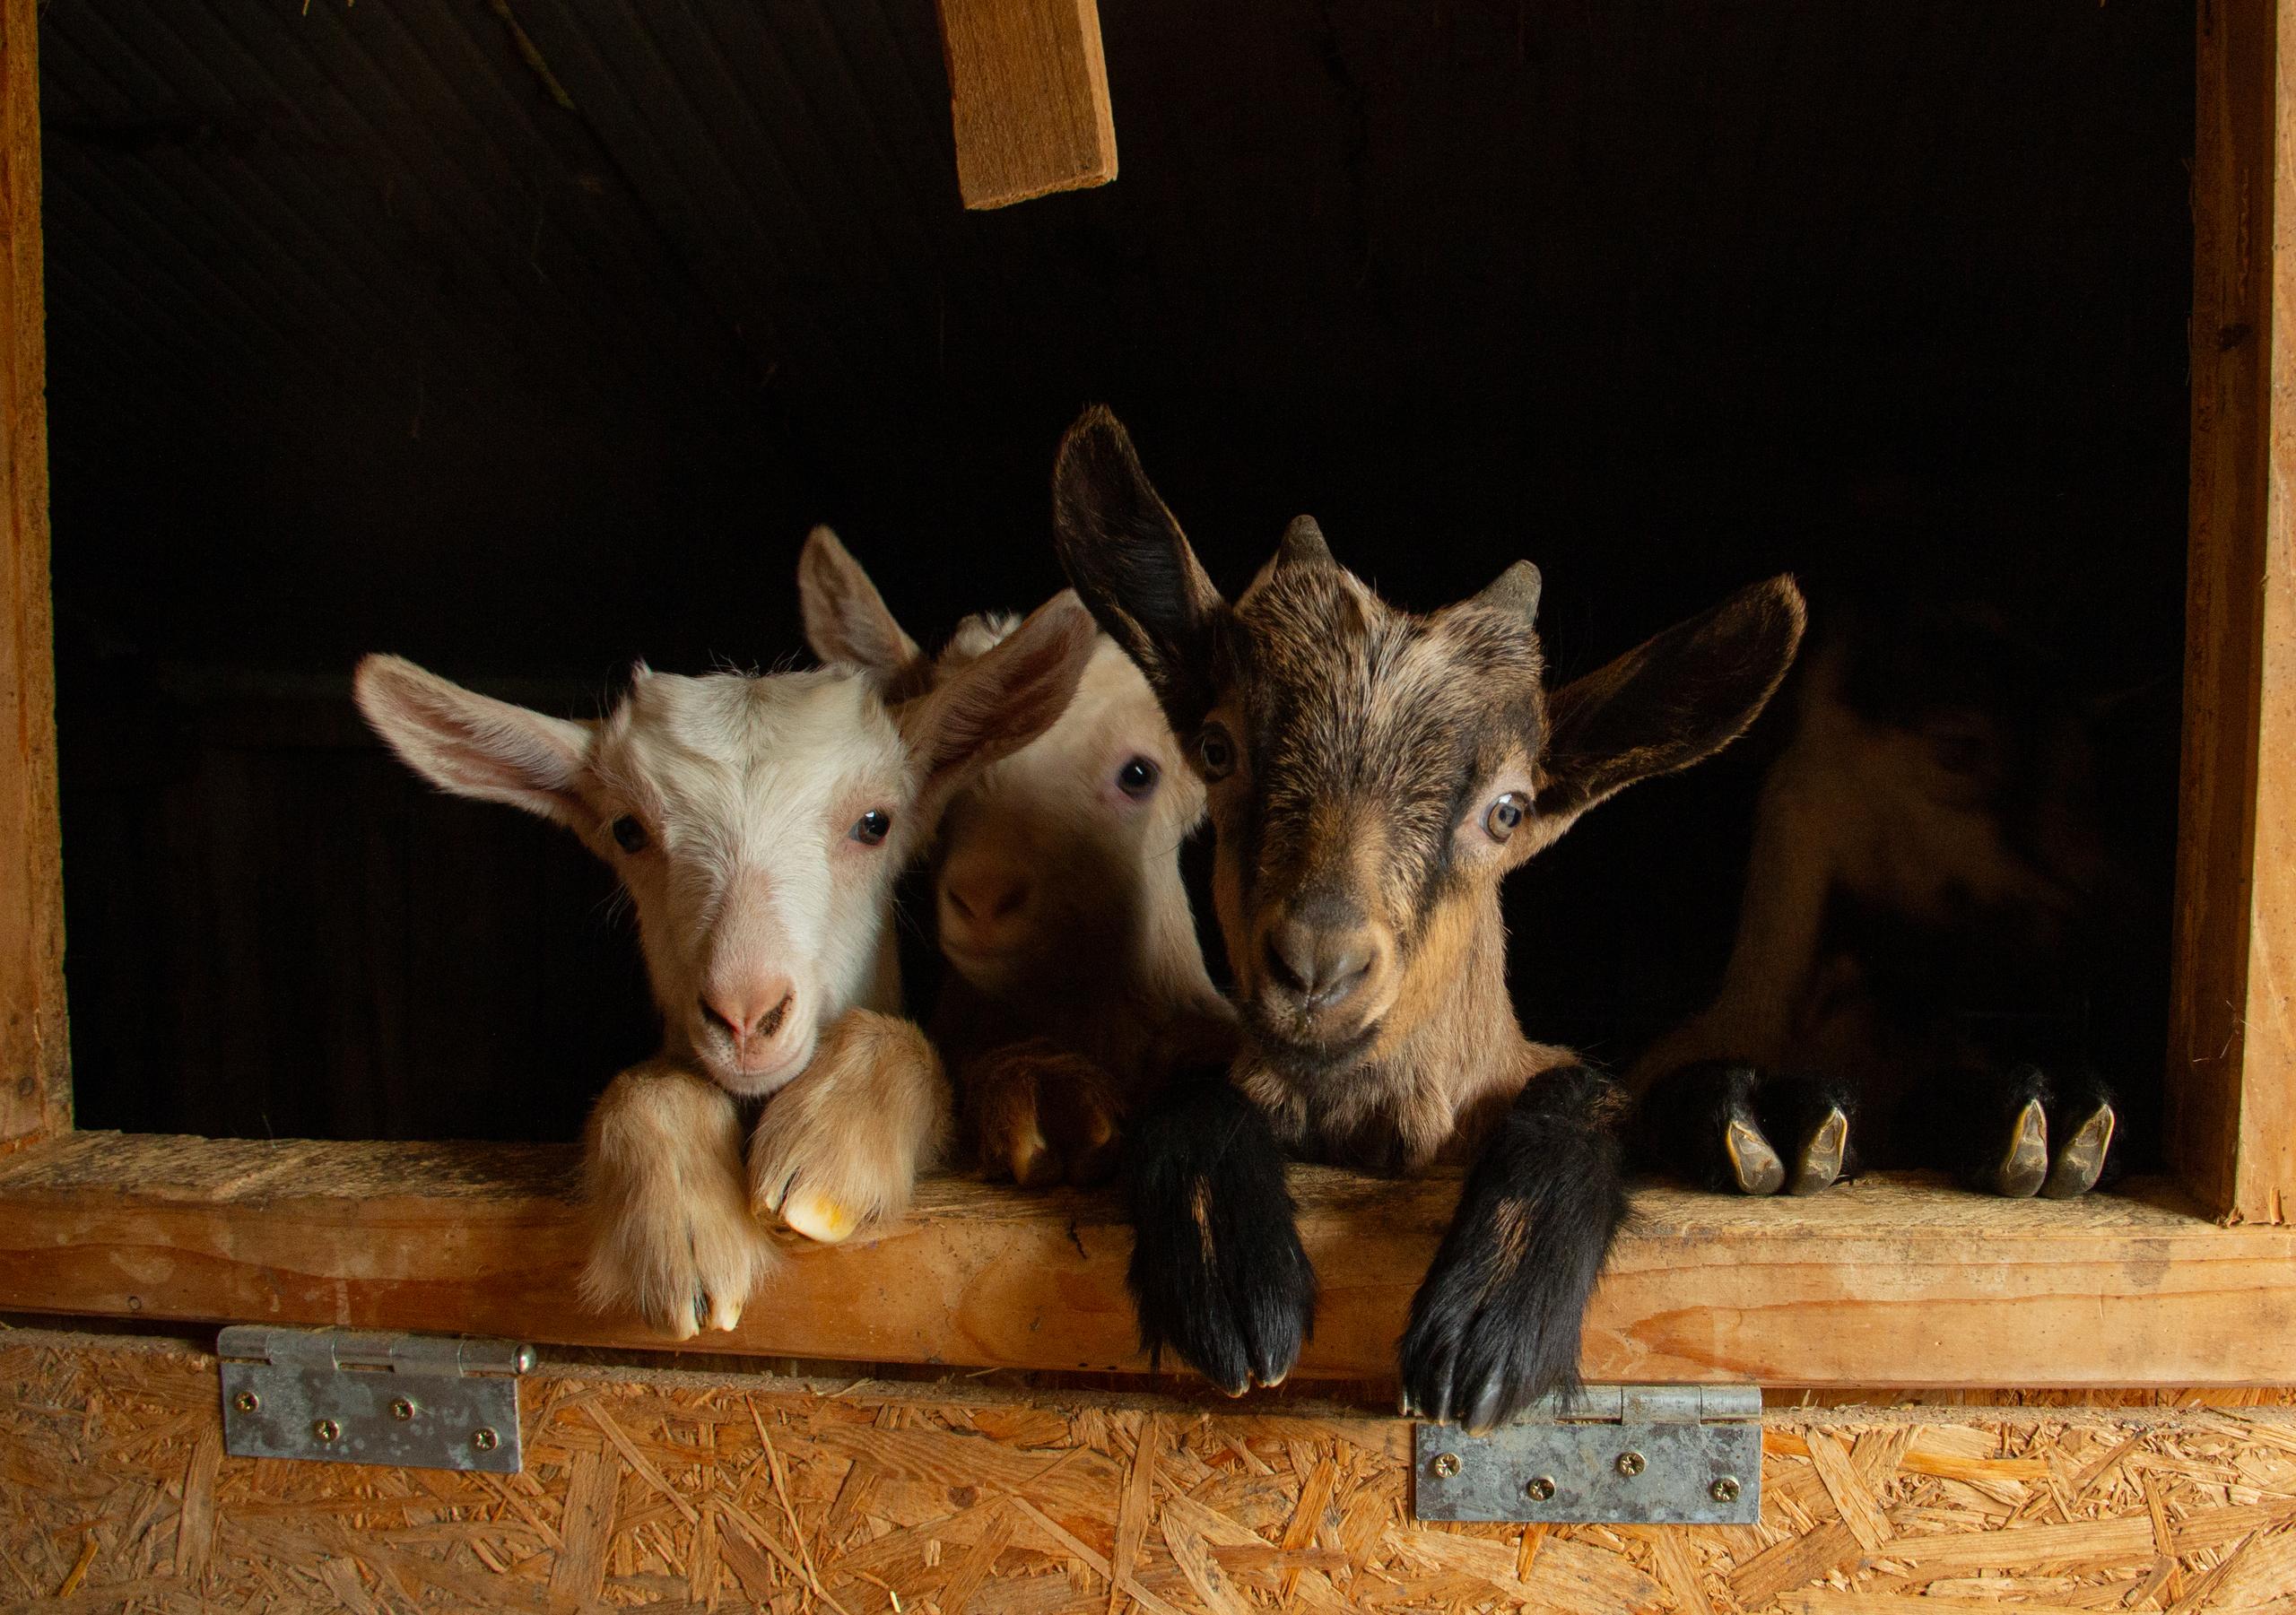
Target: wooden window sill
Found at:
x=1895, y=1281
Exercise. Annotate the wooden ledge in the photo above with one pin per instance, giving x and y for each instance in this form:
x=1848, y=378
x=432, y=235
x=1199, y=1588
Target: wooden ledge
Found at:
x=1893, y=1281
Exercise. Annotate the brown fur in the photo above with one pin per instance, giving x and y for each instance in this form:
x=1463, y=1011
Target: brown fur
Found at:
x=1369, y=714
x=1373, y=775
x=1038, y=1112
x=1899, y=817
x=1369, y=743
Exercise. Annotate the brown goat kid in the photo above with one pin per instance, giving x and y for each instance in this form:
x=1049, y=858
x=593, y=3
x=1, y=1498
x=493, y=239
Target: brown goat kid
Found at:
x=1077, y=983
x=1373, y=775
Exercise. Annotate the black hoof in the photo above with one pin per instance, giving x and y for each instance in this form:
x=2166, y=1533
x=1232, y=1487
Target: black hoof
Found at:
x=1218, y=1274
x=1496, y=1322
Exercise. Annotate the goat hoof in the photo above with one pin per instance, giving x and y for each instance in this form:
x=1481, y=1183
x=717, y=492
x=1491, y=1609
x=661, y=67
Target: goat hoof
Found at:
x=1753, y=1164
x=2026, y=1163
x=2081, y=1160
x=1031, y=1162
x=818, y=1218
x=1819, y=1163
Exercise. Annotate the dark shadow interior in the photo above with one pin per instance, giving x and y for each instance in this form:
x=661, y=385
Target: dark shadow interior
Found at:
x=527, y=340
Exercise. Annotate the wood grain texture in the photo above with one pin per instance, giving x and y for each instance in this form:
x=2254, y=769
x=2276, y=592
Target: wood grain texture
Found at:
x=1029, y=95
x=795, y=1496
x=2232, y=1043
x=1896, y=1281
x=35, y=1059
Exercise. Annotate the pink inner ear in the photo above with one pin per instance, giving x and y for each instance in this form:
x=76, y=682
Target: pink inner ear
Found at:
x=1005, y=699
x=470, y=743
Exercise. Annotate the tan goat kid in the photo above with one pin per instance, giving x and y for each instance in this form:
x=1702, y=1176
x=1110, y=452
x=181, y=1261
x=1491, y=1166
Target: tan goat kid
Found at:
x=1078, y=984
x=758, y=824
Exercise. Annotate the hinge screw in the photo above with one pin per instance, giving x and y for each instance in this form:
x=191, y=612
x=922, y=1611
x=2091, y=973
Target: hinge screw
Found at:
x=247, y=1402
x=1725, y=1489
x=325, y=1430
x=1539, y=1489
x=1630, y=1463
x=401, y=1410
x=1447, y=1464
x=485, y=1440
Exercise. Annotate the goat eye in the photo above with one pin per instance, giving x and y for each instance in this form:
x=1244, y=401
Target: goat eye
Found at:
x=629, y=834
x=872, y=828
x=1215, y=752
x=1137, y=779
x=1505, y=814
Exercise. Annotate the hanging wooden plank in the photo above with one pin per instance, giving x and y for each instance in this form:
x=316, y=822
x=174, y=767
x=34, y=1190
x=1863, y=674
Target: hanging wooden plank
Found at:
x=35, y=1060
x=1890, y=1280
x=1029, y=95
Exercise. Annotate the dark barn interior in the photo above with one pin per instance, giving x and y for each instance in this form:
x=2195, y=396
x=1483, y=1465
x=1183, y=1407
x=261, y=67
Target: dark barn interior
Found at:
x=528, y=340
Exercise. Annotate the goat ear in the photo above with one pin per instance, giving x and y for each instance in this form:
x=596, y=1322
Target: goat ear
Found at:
x=992, y=707
x=1132, y=566
x=1515, y=592
x=472, y=745
x=846, y=619
x=1669, y=703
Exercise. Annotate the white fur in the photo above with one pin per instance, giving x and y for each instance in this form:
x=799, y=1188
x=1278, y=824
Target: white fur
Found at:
x=748, y=790
x=765, y=923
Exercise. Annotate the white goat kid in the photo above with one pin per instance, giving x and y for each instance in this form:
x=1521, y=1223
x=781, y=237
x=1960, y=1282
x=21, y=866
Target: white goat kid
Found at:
x=1079, y=981
x=758, y=824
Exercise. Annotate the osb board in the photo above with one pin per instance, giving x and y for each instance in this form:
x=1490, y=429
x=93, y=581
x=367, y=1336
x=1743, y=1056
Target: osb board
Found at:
x=681, y=1492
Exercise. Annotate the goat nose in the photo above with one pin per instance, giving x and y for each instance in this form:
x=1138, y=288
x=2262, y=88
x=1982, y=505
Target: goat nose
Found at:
x=996, y=895
x=1323, y=964
x=751, y=1010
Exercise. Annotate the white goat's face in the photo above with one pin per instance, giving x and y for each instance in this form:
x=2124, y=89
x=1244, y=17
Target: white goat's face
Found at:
x=758, y=823
x=1048, y=861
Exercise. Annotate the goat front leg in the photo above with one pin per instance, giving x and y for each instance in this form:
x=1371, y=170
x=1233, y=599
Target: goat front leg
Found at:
x=1715, y=1107
x=840, y=1147
x=1040, y=1114
x=1496, y=1323
x=670, y=1230
x=1218, y=1273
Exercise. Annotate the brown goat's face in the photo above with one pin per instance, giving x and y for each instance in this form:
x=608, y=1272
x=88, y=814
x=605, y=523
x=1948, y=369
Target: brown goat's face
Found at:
x=1373, y=772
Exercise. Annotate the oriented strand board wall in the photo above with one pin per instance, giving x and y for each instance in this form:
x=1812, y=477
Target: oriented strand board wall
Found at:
x=681, y=1492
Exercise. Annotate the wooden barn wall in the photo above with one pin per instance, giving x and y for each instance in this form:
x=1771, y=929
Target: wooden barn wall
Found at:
x=686, y=1492
x=529, y=339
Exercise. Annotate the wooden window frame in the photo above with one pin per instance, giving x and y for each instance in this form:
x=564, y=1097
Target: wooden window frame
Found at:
x=2187, y=1281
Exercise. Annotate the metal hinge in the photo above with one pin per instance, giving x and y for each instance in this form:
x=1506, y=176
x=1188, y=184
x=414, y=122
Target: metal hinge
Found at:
x=1615, y=1455
x=426, y=1401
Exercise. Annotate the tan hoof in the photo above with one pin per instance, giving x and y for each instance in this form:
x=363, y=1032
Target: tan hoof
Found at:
x=2025, y=1163
x=2082, y=1161
x=1822, y=1157
x=1752, y=1162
